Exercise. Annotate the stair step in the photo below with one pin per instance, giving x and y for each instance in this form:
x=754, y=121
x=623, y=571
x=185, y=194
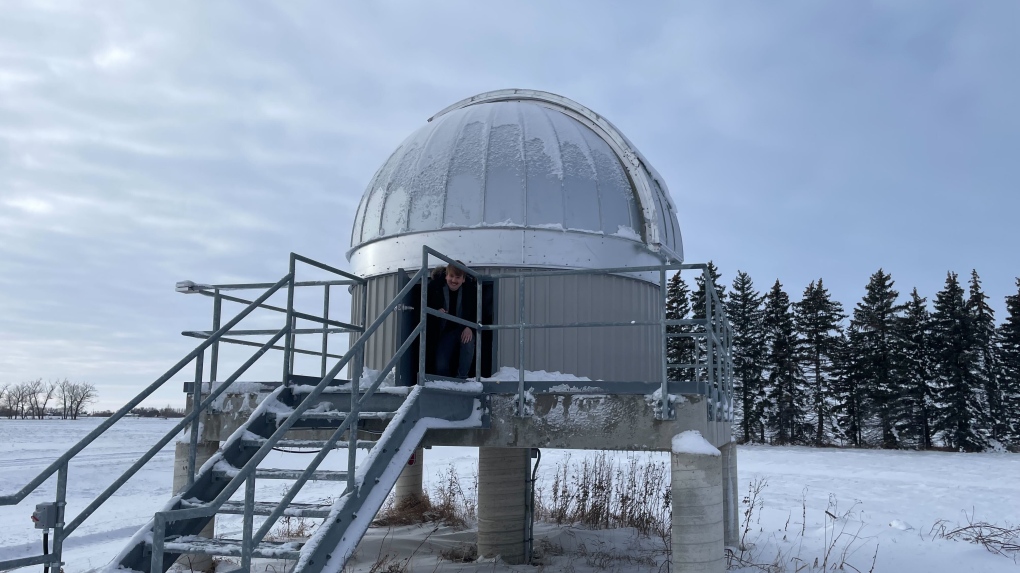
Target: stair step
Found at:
x=274, y=473
x=317, y=475
x=232, y=547
x=337, y=415
x=267, y=507
x=314, y=444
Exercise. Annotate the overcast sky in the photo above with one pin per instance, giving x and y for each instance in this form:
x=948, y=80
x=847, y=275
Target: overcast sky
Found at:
x=146, y=143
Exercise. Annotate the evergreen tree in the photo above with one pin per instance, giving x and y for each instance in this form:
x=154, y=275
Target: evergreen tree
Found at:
x=982, y=319
x=958, y=385
x=818, y=318
x=744, y=309
x=698, y=299
x=918, y=406
x=679, y=350
x=875, y=317
x=1008, y=357
x=850, y=389
x=698, y=308
x=785, y=379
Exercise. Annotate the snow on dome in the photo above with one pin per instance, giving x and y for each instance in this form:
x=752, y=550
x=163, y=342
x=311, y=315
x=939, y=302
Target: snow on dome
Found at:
x=515, y=177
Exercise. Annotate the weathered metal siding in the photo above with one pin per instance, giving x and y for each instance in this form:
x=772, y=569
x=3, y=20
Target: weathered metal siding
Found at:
x=383, y=344
x=603, y=353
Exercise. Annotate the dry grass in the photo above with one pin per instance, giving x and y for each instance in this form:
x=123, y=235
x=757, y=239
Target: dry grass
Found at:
x=1000, y=540
x=601, y=492
x=448, y=505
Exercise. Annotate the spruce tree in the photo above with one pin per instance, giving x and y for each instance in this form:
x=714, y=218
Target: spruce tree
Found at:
x=850, y=388
x=982, y=319
x=1008, y=357
x=958, y=386
x=875, y=317
x=818, y=318
x=698, y=308
x=679, y=350
x=785, y=379
x=918, y=408
x=744, y=309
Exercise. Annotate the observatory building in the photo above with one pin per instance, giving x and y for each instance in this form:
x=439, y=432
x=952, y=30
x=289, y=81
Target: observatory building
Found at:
x=566, y=236
x=519, y=179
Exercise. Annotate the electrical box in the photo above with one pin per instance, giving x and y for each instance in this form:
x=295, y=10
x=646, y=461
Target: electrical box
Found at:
x=45, y=515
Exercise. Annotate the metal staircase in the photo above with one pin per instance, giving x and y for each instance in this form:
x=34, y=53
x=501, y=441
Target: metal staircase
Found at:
x=342, y=409
x=298, y=402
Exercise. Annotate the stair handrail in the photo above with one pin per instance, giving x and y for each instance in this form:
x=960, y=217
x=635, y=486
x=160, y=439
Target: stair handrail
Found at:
x=357, y=348
x=145, y=393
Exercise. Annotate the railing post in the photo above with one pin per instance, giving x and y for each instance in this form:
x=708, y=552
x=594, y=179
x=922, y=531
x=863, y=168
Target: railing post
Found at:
x=325, y=327
x=158, y=539
x=478, y=333
x=58, y=529
x=424, y=316
x=521, y=410
x=665, y=405
x=246, y=527
x=196, y=403
x=288, y=345
x=214, y=357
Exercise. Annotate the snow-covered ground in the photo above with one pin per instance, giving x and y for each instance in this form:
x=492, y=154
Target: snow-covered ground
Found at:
x=882, y=501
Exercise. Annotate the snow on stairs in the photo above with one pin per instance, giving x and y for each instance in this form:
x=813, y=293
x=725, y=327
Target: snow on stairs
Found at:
x=435, y=405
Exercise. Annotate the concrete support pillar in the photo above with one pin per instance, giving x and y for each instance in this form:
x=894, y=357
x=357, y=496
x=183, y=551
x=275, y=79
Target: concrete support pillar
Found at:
x=409, y=484
x=731, y=495
x=204, y=451
x=503, y=498
x=697, y=527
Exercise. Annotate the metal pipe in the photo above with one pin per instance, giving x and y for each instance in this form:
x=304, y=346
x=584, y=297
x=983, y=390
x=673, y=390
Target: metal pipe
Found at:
x=288, y=342
x=520, y=346
x=196, y=404
x=215, y=355
x=478, y=333
x=58, y=530
x=666, y=407
x=158, y=540
x=249, y=513
x=258, y=344
x=423, y=274
x=325, y=337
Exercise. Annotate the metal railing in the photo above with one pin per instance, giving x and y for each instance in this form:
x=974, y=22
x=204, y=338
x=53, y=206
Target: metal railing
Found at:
x=713, y=374
x=200, y=402
x=712, y=369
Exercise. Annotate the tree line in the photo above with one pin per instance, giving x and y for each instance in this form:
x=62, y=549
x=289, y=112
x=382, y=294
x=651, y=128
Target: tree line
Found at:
x=33, y=399
x=891, y=373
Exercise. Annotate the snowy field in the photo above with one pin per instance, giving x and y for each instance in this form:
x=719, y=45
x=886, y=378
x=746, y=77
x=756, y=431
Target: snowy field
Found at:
x=883, y=506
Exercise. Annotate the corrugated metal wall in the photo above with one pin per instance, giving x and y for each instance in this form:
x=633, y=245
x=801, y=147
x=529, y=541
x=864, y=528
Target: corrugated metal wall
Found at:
x=603, y=353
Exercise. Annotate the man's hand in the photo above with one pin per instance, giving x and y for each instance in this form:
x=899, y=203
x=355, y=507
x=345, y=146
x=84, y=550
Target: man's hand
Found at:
x=466, y=336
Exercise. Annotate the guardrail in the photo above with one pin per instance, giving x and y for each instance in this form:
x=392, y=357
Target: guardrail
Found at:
x=62, y=530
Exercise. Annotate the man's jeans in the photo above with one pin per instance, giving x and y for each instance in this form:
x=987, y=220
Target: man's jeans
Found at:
x=447, y=351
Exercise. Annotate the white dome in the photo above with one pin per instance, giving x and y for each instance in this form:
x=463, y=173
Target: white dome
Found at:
x=515, y=178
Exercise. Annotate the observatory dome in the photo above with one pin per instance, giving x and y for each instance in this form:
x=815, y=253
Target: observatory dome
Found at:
x=515, y=178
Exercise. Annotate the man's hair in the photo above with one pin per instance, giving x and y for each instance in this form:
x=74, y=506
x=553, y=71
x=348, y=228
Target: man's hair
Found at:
x=454, y=271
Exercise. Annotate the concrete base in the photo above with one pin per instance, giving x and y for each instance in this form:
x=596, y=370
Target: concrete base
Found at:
x=202, y=454
x=409, y=484
x=503, y=502
x=697, y=526
x=731, y=495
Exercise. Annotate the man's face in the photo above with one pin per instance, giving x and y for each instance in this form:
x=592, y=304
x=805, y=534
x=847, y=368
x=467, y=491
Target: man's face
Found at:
x=454, y=281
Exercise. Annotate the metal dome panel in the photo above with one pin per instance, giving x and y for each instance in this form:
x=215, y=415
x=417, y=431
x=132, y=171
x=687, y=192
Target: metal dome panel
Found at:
x=527, y=162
